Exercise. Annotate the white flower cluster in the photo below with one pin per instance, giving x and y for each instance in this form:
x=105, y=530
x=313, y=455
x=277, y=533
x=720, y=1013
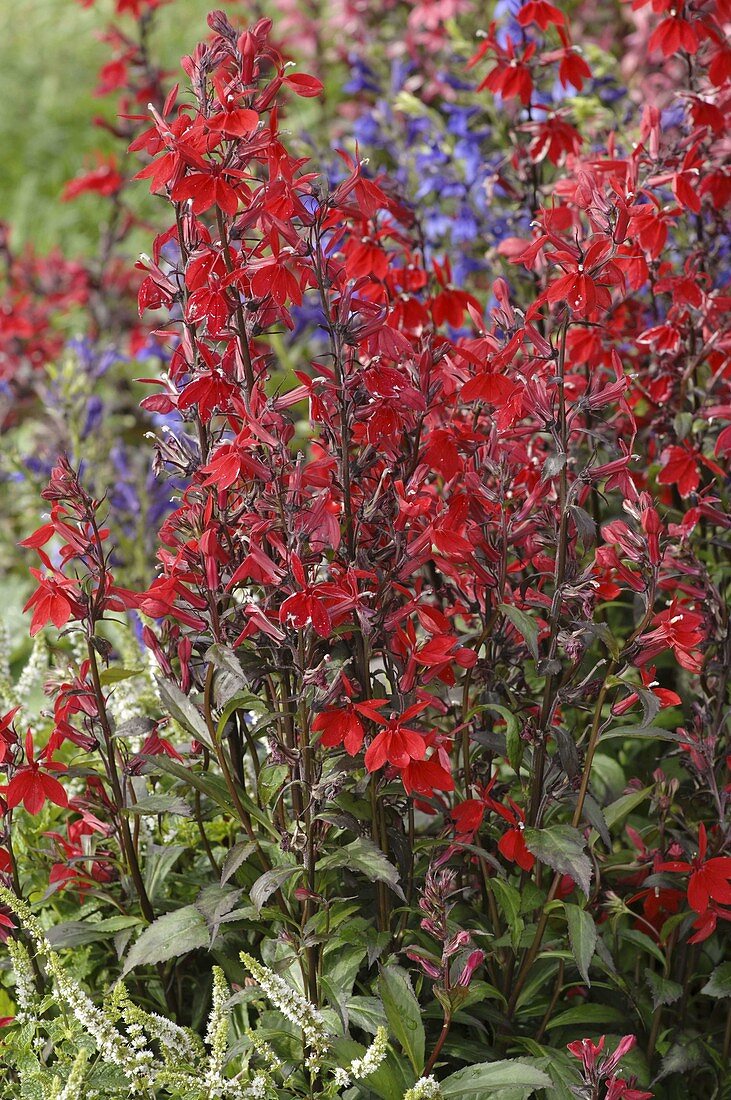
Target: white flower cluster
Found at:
x=258, y=1087
x=25, y=991
x=368, y=1064
x=74, y=1082
x=296, y=1008
x=426, y=1088
x=177, y=1043
x=128, y=1055
x=217, y=1034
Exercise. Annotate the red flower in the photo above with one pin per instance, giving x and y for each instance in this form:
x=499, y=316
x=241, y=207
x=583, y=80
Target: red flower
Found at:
x=673, y=35
x=468, y=817
x=512, y=846
x=306, y=607
x=710, y=880
x=396, y=744
x=541, y=13
x=342, y=725
x=665, y=697
x=425, y=777
x=33, y=787
x=680, y=467
x=512, y=843
x=55, y=600
x=104, y=180
x=678, y=628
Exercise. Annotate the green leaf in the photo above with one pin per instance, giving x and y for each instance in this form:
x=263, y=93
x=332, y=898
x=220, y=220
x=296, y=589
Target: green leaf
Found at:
x=363, y=855
x=643, y=941
x=624, y=805
x=116, y=675
x=161, y=858
x=561, y=847
x=214, y=787
x=589, y=1016
x=367, y=1013
x=224, y=659
x=168, y=937
x=513, y=743
x=271, y=778
x=509, y=900
x=74, y=933
x=582, y=937
x=268, y=884
x=474, y=1081
x=184, y=711
x=403, y=1014
x=719, y=983
x=235, y=857
x=524, y=624
x=662, y=990
x=647, y=733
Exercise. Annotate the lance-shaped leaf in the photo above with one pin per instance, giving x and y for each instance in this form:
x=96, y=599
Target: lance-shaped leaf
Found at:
x=403, y=1014
x=582, y=937
x=168, y=937
x=363, y=855
x=524, y=624
x=561, y=847
x=489, y=1079
x=268, y=884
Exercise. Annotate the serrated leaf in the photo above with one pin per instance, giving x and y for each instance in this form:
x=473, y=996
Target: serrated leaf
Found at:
x=160, y=861
x=268, y=884
x=684, y=1055
x=593, y=813
x=214, y=787
x=487, y=1078
x=74, y=933
x=134, y=727
x=363, y=855
x=561, y=847
x=225, y=660
x=168, y=937
x=662, y=990
x=367, y=1013
x=524, y=624
x=184, y=711
x=582, y=937
x=719, y=983
x=403, y=1014
x=235, y=857
x=390, y=1081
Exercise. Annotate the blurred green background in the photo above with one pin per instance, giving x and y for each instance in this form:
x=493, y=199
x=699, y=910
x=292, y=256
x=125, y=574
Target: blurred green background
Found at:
x=50, y=54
